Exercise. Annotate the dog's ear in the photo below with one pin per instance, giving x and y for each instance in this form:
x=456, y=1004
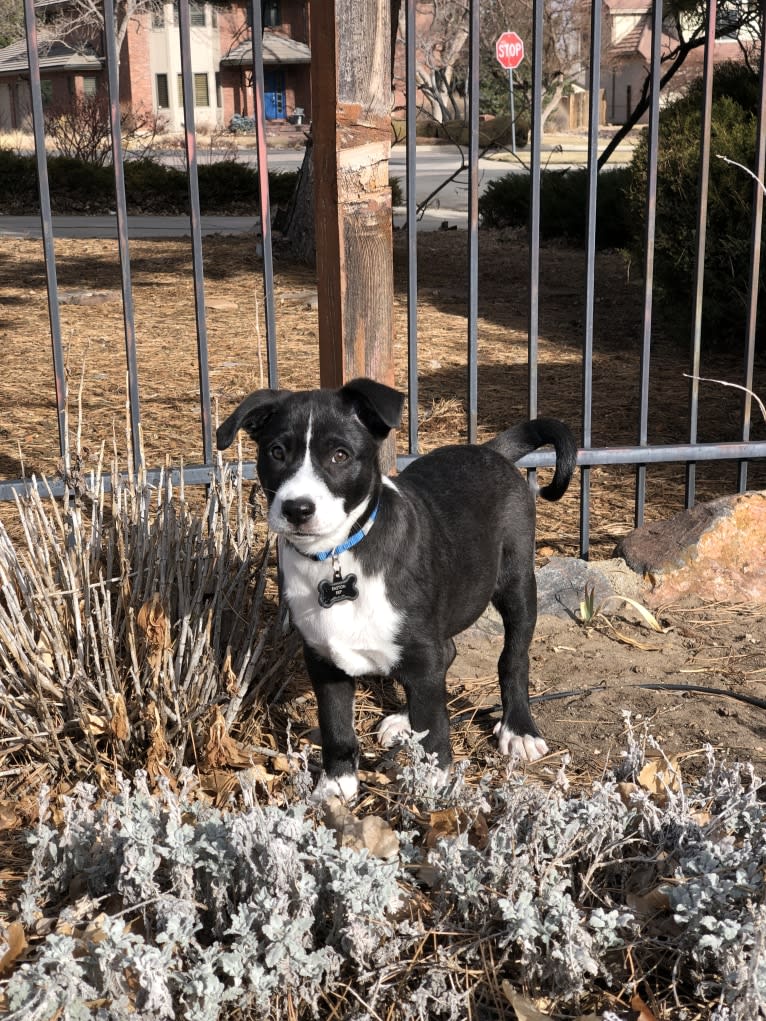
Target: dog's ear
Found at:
x=252, y=415
x=378, y=406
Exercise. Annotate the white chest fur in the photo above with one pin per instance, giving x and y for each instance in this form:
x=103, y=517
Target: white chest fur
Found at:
x=359, y=635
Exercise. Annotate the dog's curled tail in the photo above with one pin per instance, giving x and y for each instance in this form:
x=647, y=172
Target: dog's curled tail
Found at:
x=522, y=439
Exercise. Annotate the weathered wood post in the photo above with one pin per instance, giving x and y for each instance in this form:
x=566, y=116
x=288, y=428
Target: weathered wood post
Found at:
x=351, y=127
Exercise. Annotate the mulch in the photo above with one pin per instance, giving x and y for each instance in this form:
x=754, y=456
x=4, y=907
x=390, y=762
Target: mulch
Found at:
x=161, y=271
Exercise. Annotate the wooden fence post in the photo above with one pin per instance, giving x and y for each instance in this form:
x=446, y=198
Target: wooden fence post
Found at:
x=351, y=128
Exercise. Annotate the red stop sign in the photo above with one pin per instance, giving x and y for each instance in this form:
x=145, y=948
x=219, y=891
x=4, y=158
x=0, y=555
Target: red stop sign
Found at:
x=509, y=49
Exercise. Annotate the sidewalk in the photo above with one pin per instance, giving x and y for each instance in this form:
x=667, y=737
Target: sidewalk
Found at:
x=147, y=227
x=571, y=148
x=138, y=226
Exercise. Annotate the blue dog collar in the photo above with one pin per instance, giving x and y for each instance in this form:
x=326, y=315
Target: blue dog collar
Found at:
x=353, y=540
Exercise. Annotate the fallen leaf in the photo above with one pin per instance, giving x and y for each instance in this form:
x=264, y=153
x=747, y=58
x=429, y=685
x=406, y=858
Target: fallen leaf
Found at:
x=119, y=724
x=154, y=623
x=159, y=750
x=646, y=615
x=94, y=931
x=257, y=774
x=702, y=818
x=645, y=905
x=372, y=776
x=379, y=838
x=9, y=817
x=525, y=1009
x=219, y=784
x=220, y=748
x=372, y=833
x=16, y=944
x=659, y=776
x=627, y=640
x=644, y=1013
x=285, y=763
x=451, y=822
x=626, y=791
x=45, y=649
x=228, y=675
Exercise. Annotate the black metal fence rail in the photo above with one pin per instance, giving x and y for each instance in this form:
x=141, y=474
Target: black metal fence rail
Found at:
x=687, y=450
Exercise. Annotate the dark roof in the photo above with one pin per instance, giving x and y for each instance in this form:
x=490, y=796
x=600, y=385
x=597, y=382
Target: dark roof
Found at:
x=277, y=49
x=55, y=56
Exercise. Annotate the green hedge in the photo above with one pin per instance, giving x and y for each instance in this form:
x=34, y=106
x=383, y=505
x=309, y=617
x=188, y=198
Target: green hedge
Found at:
x=563, y=205
x=730, y=208
x=150, y=187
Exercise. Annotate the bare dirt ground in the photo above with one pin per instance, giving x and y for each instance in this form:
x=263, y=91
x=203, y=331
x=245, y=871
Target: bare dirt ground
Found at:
x=712, y=646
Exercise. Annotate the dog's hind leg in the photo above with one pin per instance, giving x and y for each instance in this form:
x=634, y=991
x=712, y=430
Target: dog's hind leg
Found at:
x=334, y=691
x=516, y=601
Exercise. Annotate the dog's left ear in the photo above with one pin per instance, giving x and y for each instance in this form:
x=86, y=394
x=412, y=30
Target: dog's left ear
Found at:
x=252, y=415
x=378, y=406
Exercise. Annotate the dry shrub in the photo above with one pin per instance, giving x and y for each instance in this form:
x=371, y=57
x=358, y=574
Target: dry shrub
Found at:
x=128, y=622
x=81, y=129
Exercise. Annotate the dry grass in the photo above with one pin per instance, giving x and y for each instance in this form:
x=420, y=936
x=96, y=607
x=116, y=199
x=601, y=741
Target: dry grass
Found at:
x=164, y=308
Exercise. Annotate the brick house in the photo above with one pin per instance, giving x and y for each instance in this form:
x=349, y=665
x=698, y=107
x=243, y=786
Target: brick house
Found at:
x=628, y=56
x=150, y=66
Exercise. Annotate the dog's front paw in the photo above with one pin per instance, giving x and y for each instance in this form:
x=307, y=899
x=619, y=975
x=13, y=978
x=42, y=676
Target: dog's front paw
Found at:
x=520, y=746
x=344, y=787
x=393, y=729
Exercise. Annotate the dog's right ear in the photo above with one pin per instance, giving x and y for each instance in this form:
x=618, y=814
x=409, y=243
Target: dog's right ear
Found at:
x=251, y=415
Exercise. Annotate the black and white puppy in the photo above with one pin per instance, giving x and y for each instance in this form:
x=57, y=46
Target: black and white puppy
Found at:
x=380, y=574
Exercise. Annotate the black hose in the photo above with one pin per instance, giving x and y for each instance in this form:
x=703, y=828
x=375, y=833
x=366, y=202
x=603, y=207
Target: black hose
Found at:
x=554, y=696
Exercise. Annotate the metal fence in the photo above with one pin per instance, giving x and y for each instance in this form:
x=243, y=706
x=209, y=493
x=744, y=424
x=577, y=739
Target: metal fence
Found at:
x=686, y=450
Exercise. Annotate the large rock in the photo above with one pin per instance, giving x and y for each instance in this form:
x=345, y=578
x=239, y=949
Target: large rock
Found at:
x=715, y=551
x=562, y=584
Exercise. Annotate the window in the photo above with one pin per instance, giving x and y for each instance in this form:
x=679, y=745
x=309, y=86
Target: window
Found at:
x=46, y=90
x=218, y=90
x=271, y=14
x=197, y=15
x=163, y=98
x=89, y=85
x=201, y=90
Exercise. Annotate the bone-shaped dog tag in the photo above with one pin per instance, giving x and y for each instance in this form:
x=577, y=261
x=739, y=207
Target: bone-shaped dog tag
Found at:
x=337, y=590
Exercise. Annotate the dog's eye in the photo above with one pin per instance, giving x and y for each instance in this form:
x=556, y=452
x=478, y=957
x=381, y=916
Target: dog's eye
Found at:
x=340, y=456
x=277, y=452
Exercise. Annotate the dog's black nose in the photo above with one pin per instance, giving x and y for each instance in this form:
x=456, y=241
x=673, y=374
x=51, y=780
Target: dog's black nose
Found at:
x=298, y=511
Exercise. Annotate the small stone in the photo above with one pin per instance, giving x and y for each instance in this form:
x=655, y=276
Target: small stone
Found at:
x=88, y=297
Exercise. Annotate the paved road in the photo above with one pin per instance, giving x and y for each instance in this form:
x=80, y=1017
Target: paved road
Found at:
x=434, y=164
x=138, y=226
